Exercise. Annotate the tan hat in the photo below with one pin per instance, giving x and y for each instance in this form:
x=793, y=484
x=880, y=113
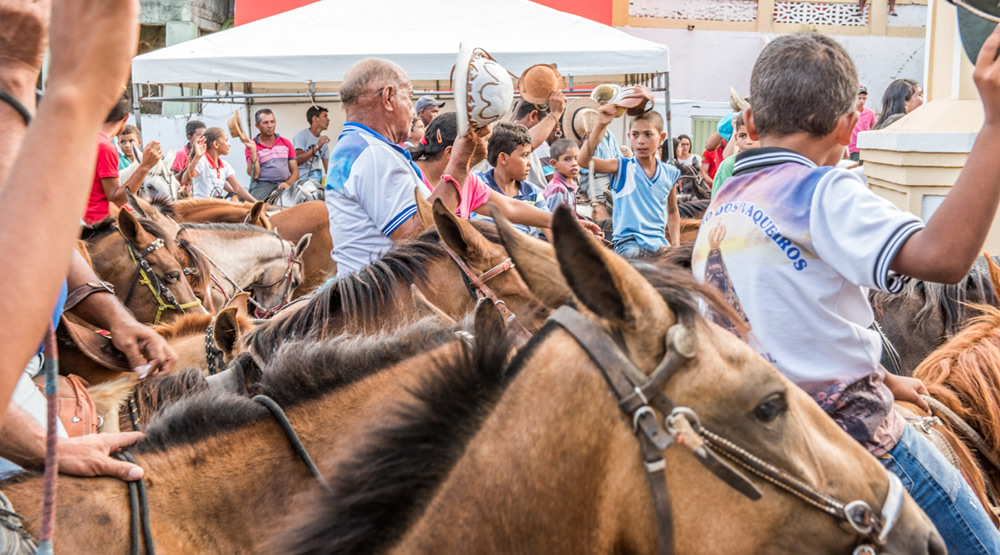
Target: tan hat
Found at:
x=606, y=93
x=636, y=100
x=580, y=117
x=738, y=103
x=538, y=82
x=235, y=127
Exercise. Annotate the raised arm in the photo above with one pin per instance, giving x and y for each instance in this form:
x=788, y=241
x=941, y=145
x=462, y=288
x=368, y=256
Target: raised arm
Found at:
x=945, y=250
x=541, y=131
x=594, y=138
x=197, y=152
x=114, y=189
x=253, y=165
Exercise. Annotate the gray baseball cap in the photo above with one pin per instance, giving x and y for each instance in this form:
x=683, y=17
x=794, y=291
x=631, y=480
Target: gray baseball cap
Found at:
x=426, y=101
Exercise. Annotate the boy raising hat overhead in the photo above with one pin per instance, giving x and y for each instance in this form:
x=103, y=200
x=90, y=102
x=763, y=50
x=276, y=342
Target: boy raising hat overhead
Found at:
x=642, y=188
x=795, y=244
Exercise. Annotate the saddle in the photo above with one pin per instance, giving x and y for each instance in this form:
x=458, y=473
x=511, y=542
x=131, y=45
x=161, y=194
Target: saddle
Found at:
x=76, y=408
x=77, y=335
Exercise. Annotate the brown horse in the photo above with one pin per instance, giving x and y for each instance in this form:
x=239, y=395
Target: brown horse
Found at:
x=209, y=210
x=379, y=297
x=302, y=219
x=537, y=457
x=119, y=252
x=203, y=495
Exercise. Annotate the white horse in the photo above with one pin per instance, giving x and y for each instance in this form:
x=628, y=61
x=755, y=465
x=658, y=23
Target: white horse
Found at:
x=159, y=181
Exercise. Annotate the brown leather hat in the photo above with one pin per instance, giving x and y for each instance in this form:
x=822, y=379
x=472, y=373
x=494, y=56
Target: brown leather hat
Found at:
x=637, y=100
x=538, y=82
x=235, y=127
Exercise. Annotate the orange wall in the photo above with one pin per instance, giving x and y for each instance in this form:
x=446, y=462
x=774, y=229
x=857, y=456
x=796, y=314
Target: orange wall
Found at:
x=252, y=10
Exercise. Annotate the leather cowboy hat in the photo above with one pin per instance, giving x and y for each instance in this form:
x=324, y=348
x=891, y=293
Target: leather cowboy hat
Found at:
x=580, y=117
x=538, y=82
x=605, y=93
x=487, y=87
x=235, y=127
x=635, y=100
x=976, y=20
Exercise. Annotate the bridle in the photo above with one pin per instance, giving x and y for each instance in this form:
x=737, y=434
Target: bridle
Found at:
x=477, y=286
x=144, y=275
x=640, y=397
x=259, y=310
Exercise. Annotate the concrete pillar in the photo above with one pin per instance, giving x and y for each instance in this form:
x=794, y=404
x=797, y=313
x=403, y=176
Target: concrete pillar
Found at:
x=178, y=32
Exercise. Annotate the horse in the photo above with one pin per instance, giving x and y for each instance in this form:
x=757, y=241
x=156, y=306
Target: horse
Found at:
x=331, y=392
x=317, y=264
x=691, y=184
x=923, y=315
x=210, y=210
x=247, y=257
x=141, y=261
x=538, y=456
x=445, y=262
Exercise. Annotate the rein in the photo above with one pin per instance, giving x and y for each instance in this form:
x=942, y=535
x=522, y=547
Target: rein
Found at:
x=640, y=397
x=477, y=286
x=144, y=275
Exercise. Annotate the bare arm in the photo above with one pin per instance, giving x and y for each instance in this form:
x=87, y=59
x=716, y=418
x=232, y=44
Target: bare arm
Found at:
x=23, y=441
x=115, y=190
x=253, y=168
x=293, y=176
x=673, y=218
x=303, y=156
x=235, y=187
x=92, y=44
x=713, y=141
x=945, y=250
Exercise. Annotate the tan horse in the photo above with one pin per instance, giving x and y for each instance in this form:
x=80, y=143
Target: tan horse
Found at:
x=309, y=218
x=159, y=295
x=208, y=210
x=537, y=457
x=220, y=474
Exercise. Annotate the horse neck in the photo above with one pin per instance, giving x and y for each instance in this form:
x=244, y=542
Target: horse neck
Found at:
x=240, y=255
x=231, y=492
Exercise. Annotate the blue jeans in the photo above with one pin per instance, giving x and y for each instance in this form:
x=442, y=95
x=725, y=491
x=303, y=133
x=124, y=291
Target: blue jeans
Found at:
x=941, y=491
x=630, y=248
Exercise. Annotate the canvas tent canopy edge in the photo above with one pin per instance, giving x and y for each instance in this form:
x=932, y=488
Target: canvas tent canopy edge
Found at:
x=319, y=42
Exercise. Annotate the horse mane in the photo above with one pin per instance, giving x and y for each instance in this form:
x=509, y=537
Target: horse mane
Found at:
x=230, y=229
x=376, y=495
x=359, y=298
x=299, y=371
x=154, y=394
x=98, y=230
x=197, y=261
x=674, y=256
x=953, y=300
x=964, y=373
x=693, y=208
x=386, y=484
x=163, y=203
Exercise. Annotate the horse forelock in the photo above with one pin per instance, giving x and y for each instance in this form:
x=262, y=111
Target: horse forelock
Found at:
x=298, y=372
x=377, y=493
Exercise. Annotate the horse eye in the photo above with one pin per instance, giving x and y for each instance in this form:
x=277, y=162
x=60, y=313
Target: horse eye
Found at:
x=771, y=408
x=172, y=276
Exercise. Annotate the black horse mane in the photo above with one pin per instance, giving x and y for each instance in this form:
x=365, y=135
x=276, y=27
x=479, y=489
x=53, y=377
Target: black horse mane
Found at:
x=360, y=298
x=377, y=494
x=163, y=203
x=693, y=208
x=951, y=299
x=299, y=371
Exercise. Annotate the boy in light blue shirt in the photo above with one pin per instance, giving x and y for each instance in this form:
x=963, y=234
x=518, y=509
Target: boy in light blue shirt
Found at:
x=642, y=186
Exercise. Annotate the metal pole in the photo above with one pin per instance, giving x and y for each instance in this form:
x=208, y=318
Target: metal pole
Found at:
x=136, y=106
x=666, y=107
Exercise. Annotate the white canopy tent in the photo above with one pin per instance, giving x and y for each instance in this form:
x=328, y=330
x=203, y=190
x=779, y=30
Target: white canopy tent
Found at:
x=318, y=42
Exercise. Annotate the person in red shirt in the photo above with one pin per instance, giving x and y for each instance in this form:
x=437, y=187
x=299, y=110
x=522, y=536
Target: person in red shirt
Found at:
x=710, y=160
x=107, y=187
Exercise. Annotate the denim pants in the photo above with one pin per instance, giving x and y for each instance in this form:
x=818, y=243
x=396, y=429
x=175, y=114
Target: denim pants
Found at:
x=941, y=491
x=630, y=248
x=261, y=189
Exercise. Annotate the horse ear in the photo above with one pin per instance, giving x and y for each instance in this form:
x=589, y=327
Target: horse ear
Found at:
x=426, y=308
x=302, y=245
x=133, y=202
x=994, y=274
x=424, y=209
x=256, y=210
x=226, y=332
x=603, y=281
x=132, y=230
x=239, y=302
x=535, y=260
x=458, y=234
x=488, y=322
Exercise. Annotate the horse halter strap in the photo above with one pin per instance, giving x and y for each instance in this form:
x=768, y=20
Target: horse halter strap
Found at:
x=144, y=274
x=286, y=295
x=639, y=397
x=477, y=285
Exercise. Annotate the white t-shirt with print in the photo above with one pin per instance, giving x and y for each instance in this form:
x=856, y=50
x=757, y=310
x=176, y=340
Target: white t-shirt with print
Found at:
x=795, y=248
x=211, y=181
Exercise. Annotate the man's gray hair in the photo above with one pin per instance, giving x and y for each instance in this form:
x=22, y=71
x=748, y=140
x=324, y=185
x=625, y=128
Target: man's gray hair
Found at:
x=369, y=75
